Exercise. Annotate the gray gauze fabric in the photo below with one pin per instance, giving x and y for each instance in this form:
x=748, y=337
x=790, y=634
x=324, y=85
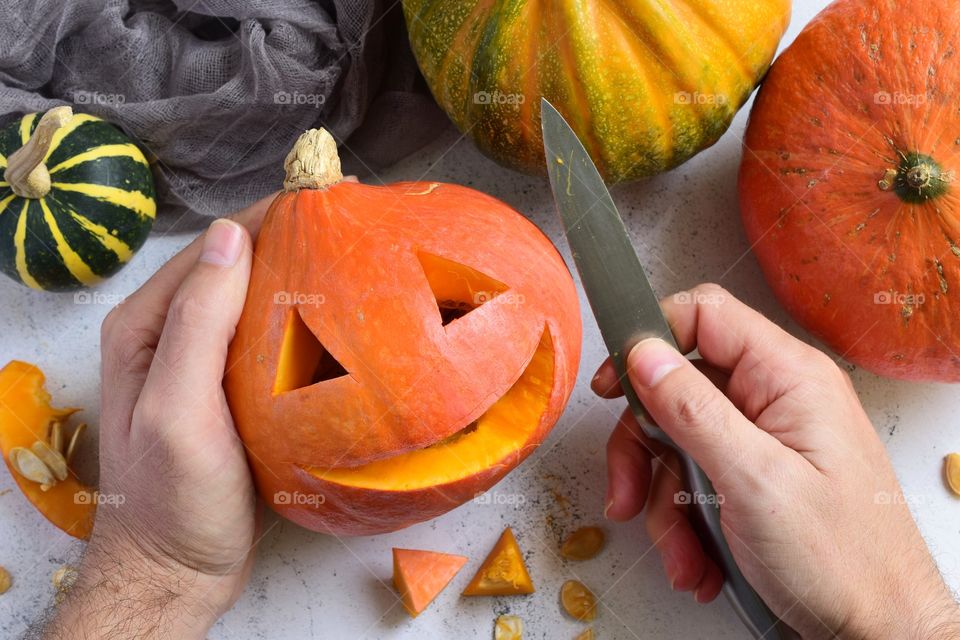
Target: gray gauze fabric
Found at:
x=216, y=91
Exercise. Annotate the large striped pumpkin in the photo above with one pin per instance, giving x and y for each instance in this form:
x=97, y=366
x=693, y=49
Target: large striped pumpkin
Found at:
x=97, y=210
x=645, y=84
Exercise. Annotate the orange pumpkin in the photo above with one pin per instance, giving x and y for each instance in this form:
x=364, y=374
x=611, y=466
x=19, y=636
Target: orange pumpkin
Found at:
x=401, y=348
x=847, y=186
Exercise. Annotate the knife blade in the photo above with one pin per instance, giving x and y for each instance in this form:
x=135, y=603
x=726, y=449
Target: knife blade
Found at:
x=627, y=311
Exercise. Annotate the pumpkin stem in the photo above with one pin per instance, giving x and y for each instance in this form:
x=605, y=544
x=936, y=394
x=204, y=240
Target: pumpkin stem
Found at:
x=919, y=178
x=26, y=171
x=313, y=162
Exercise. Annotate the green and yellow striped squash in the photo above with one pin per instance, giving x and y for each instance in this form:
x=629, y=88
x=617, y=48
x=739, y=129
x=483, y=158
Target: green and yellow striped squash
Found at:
x=99, y=210
x=646, y=85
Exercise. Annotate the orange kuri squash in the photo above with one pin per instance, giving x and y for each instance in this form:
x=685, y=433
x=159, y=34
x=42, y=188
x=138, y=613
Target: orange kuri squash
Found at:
x=848, y=185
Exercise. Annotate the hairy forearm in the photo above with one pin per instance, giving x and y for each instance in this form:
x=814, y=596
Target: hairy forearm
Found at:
x=120, y=594
x=920, y=607
x=939, y=621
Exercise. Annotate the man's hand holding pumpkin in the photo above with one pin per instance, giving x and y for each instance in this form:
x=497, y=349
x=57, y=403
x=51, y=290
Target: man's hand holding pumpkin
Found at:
x=177, y=552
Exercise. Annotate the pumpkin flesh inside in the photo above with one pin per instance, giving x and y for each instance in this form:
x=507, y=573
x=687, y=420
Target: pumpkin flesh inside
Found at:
x=503, y=430
x=25, y=416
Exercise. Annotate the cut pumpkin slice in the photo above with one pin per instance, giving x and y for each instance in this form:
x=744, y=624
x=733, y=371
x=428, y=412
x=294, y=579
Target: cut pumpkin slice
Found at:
x=25, y=418
x=503, y=573
x=420, y=576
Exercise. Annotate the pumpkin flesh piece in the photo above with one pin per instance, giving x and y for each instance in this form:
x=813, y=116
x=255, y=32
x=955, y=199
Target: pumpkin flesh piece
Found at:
x=25, y=413
x=502, y=431
x=420, y=576
x=504, y=572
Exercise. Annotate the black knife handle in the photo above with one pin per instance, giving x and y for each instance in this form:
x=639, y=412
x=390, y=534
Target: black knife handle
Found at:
x=705, y=513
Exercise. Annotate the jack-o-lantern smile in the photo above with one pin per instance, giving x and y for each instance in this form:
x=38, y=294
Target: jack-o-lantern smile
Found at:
x=402, y=348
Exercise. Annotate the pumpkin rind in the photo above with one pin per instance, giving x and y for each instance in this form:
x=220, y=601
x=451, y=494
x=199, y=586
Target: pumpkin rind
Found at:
x=412, y=382
x=645, y=86
x=98, y=212
x=866, y=91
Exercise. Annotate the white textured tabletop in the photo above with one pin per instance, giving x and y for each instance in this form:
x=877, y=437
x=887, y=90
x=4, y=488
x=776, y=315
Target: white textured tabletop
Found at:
x=306, y=585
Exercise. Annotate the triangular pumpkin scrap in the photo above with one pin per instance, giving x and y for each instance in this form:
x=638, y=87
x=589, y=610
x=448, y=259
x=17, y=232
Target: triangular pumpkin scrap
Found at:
x=503, y=573
x=420, y=576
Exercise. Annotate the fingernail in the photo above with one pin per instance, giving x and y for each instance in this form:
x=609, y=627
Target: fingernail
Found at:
x=222, y=243
x=651, y=360
x=606, y=509
x=671, y=568
x=696, y=596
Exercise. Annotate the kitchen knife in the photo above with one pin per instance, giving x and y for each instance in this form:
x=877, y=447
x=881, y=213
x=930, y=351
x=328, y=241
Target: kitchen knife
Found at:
x=628, y=311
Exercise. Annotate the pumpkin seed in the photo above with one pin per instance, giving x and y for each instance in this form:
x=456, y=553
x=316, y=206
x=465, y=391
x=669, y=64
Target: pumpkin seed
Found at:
x=64, y=578
x=508, y=627
x=583, y=544
x=6, y=581
x=27, y=464
x=586, y=635
x=578, y=601
x=52, y=458
x=74, y=439
x=56, y=436
x=952, y=470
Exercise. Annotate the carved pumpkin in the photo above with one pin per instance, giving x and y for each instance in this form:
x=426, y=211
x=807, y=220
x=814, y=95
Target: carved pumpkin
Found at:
x=401, y=348
x=848, y=185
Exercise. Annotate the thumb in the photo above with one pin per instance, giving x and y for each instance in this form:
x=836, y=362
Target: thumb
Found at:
x=699, y=418
x=192, y=350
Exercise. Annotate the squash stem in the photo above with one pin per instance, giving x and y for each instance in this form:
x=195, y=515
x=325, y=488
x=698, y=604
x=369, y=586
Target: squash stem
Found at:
x=919, y=178
x=26, y=170
x=313, y=162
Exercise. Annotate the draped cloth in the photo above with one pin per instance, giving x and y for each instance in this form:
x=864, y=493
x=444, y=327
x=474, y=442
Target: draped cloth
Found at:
x=216, y=91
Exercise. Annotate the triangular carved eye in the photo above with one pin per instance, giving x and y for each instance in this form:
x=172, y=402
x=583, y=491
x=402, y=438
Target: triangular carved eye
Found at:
x=303, y=359
x=457, y=288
